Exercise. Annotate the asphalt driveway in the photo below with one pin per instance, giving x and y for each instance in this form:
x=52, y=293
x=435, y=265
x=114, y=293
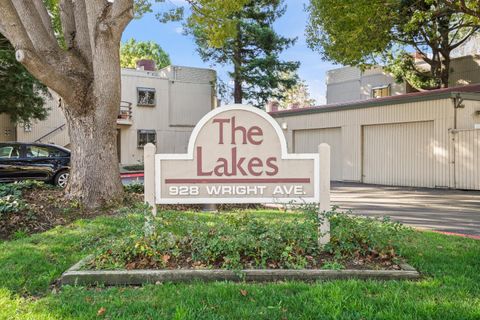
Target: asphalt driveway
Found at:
x=443, y=210
x=437, y=209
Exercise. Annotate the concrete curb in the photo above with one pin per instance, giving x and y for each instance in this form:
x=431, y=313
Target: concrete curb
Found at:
x=75, y=276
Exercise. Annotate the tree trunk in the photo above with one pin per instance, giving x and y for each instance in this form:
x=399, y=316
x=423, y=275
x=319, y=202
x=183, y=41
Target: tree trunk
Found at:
x=237, y=63
x=86, y=75
x=238, y=91
x=94, y=175
x=445, y=73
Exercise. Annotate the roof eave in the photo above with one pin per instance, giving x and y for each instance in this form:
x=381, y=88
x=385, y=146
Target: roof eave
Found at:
x=475, y=96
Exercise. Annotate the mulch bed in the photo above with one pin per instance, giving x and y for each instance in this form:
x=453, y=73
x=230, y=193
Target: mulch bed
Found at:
x=184, y=262
x=46, y=209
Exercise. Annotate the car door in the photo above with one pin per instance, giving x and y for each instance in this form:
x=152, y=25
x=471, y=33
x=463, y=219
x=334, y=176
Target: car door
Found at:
x=11, y=168
x=39, y=163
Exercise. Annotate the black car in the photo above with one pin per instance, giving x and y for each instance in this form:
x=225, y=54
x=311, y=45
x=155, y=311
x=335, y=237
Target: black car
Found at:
x=34, y=161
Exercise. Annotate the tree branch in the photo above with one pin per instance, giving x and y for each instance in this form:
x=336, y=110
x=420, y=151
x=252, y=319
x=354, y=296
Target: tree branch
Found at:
x=83, y=33
x=47, y=21
x=94, y=10
x=462, y=41
x=51, y=67
x=12, y=28
x=33, y=24
x=67, y=18
x=121, y=15
x=47, y=74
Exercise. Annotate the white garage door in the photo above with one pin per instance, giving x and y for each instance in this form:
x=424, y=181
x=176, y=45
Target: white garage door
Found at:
x=307, y=141
x=399, y=154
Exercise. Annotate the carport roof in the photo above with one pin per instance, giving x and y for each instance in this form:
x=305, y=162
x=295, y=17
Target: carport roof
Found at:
x=470, y=92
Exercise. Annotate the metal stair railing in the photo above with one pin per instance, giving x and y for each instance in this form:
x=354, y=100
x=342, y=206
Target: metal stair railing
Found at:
x=50, y=133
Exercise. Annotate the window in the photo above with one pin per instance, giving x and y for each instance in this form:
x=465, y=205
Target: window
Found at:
x=8, y=152
x=381, y=92
x=44, y=152
x=146, y=136
x=145, y=96
x=27, y=127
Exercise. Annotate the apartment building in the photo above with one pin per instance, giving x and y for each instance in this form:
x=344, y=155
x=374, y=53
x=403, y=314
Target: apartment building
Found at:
x=423, y=139
x=348, y=84
x=159, y=106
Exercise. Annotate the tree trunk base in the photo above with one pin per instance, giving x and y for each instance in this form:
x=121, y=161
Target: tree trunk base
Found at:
x=95, y=174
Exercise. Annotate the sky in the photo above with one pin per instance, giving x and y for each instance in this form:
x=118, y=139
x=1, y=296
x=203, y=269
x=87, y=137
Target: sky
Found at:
x=182, y=49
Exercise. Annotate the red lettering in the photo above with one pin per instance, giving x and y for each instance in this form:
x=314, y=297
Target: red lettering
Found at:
x=255, y=163
x=199, y=164
x=221, y=169
x=255, y=131
x=220, y=128
x=237, y=164
x=271, y=163
x=242, y=129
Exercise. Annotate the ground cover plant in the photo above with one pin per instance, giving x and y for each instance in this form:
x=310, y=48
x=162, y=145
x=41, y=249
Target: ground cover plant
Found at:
x=30, y=266
x=246, y=240
x=450, y=288
x=29, y=207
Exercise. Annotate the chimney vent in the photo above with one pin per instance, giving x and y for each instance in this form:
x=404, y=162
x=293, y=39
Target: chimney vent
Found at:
x=146, y=64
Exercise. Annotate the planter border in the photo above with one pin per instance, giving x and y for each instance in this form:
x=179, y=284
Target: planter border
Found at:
x=75, y=276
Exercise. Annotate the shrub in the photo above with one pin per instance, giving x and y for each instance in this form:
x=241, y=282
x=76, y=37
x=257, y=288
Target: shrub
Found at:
x=134, y=188
x=368, y=237
x=234, y=241
x=10, y=204
x=11, y=195
x=245, y=240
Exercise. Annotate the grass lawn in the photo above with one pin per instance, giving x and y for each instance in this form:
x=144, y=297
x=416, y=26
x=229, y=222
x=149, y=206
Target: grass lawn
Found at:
x=450, y=288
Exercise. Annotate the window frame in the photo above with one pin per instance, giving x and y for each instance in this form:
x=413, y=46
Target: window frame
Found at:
x=13, y=146
x=388, y=87
x=149, y=90
x=53, y=152
x=148, y=132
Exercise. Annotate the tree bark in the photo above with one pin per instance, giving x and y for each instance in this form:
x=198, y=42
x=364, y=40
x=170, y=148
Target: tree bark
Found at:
x=238, y=91
x=94, y=174
x=445, y=72
x=86, y=75
x=92, y=125
x=237, y=65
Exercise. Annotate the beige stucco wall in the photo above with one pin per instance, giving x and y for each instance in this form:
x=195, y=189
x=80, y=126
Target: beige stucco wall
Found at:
x=352, y=123
x=7, y=129
x=54, y=120
x=350, y=84
x=182, y=99
x=464, y=71
x=183, y=96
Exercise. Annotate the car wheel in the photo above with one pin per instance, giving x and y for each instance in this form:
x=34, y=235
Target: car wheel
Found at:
x=61, y=179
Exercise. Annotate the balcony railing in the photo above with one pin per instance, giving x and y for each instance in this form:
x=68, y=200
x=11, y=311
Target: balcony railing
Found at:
x=125, y=113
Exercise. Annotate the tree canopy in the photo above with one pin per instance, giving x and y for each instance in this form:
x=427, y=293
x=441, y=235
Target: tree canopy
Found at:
x=132, y=50
x=252, y=47
x=22, y=96
x=294, y=97
x=469, y=7
x=361, y=33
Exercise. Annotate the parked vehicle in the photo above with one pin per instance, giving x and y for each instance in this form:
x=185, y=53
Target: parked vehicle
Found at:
x=34, y=161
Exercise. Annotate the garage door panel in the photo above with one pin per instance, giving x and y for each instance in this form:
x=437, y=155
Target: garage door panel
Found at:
x=399, y=154
x=307, y=141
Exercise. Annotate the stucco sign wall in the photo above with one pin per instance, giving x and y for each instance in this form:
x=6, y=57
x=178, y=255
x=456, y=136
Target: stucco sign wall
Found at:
x=236, y=154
